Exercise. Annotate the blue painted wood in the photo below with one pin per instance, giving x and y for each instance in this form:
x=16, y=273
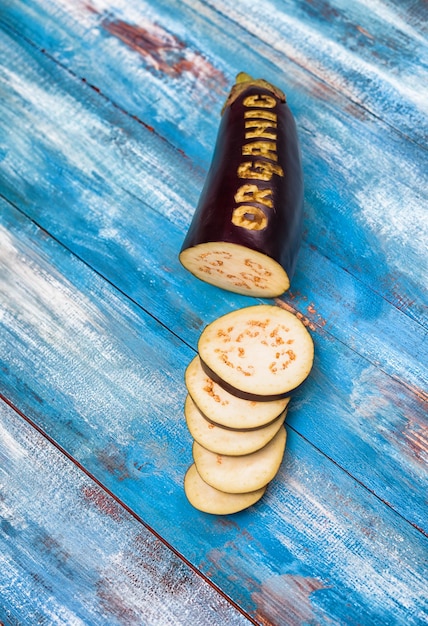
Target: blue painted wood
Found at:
x=71, y=554
x=380, y=47
x=108, y=113
x=351, y=157
x=108, y=225
x=106, y=384
x=371, y=52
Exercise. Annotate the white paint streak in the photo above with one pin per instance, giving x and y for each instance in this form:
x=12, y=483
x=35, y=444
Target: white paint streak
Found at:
x=80, y=558
x=69, y=341
x=399, y=217
x=345, y=551
x=21, y=277
x=54, y=115
x=287, y=34
x=393, y=19
x=391, y=207
x=89, y=149
x=14, y=449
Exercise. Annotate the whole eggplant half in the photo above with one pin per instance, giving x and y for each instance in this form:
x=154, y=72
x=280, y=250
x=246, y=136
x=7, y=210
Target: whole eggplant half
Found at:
x=246, y=231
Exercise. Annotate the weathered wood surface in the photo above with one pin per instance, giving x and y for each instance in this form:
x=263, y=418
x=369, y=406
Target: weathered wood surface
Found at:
x=109, y=112
x=111, y=214
x=107, y=387
x=71, y=554
x=177, y=61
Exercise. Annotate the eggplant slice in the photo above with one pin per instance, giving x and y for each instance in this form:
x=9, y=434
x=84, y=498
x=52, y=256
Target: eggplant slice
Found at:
x=209, y=500
x=225, y=409
x=240, y=474
x=260, y=353
x=224, y=440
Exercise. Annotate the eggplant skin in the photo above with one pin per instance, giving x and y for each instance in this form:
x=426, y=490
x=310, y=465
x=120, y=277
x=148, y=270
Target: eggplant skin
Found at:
x=252, y=197
x=246, y=395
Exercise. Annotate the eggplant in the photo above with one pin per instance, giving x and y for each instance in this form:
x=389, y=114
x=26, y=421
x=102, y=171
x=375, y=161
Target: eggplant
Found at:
x=209, y=500
x=246, y=231
x=241, y=474
x=225, y=440
x=259, y=353
x=225, y=409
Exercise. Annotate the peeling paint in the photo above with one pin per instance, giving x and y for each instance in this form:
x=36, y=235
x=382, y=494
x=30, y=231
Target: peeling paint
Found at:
x=287, y=599
x=163, y=51
x=114, y=461
x=102, y=501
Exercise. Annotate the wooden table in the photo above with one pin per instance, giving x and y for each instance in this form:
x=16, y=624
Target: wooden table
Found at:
x=109, y=112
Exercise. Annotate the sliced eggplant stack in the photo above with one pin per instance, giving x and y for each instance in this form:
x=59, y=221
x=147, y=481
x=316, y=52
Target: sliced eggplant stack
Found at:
x=226, y=441
x=244, y=237
x=246, y=231
x=239, y=387
x=225, y=409
x=261, y=353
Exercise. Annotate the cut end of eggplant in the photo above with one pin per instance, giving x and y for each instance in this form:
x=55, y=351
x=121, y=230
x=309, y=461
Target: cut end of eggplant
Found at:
x=210, y=500
x=236, y=268
x=261, y=352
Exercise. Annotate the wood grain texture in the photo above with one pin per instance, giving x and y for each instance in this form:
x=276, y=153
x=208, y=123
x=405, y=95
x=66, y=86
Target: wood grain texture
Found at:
x=109, y=111
x=111, y=214
x=106, y=384
x=351, y=155
x=70, y=554
x=369, y=52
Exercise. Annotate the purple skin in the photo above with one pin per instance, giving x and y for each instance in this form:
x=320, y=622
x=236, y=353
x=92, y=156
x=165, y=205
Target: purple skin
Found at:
x=212, y=221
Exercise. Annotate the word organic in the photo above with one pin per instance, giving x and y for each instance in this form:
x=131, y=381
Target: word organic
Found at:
x=246, y=230
x=260, y=123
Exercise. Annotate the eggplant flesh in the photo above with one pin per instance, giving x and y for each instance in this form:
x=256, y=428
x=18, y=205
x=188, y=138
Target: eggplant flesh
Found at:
x=241, y=474
x=246, y=231
x=225, y=440
x=259, y=353
x=210, y=500
x=227, y=410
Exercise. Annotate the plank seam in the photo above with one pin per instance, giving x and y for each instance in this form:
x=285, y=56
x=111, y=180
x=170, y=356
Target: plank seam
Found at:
x=373, y=493
x=367, y=286
x=420, y=393
x=313, y=325
x=183, y=154
x=305, y=320
x=93, y=269
x=94, y=88
x=122, y=504
x=320, y=78
x=250, y=34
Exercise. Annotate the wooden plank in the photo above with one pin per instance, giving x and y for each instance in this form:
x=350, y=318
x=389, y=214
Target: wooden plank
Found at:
x=354, y=199
x=80, y=150
x=371, y=52
x=95, y=129
x=356, y=49
x=104, y=379
x=103, y=247
x=71, y=554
